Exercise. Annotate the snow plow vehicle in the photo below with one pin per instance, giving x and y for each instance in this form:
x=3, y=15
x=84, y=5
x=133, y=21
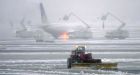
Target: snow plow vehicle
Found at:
x=80, y=59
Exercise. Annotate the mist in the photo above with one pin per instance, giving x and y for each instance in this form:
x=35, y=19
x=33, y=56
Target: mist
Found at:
x=89, y=10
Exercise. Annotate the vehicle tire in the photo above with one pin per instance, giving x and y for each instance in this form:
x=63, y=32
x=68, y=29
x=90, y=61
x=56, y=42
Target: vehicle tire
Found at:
x=69, y=62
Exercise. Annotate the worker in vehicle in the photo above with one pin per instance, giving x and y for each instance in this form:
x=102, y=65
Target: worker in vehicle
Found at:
x=79, y=53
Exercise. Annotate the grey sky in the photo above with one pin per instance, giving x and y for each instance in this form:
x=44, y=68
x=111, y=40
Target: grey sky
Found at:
x=89, y=10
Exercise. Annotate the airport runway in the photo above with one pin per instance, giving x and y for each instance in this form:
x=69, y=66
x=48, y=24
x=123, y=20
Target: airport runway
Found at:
x=19, y=57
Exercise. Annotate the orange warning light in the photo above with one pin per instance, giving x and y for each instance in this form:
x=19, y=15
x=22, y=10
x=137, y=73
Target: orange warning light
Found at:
x=64, y=36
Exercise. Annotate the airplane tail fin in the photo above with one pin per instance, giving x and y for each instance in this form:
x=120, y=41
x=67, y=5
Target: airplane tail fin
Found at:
x=43, y=14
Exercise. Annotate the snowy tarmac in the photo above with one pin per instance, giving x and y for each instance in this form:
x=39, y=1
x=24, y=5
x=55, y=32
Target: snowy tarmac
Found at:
x=19, y=57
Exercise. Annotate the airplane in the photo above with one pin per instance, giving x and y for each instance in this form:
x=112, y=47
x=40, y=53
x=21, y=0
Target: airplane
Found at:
x=65, y=31
x=37, y=35
x=118, y=33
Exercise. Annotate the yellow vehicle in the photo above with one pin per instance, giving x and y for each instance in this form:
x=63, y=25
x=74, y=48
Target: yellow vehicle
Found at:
x=80, y=59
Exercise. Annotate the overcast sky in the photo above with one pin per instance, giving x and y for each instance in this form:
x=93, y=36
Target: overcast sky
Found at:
x=89, y=10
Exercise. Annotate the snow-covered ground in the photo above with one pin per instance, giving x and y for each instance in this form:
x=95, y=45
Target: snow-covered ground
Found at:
x=26, y=57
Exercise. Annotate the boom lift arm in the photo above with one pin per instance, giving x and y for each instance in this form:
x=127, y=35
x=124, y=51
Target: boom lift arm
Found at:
x=22, y=24
x=66, y=17
x=105, y=17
